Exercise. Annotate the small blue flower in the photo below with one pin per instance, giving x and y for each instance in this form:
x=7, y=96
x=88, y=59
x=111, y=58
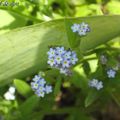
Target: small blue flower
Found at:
x=74, y=60
x=93, y=83
x=58, y=59
x=84, y=26
x=36, y=78
x=99, y=85
x=41, y=82
x=82, y=32
x=66, y=63
x=60, y=50
x=75, y=27
x=41, y=88
x=111, y=73
x=34, y=85
x=67, y=55
x=51, y=53
x=40, y=93
x=51, y=62
x=48, y=89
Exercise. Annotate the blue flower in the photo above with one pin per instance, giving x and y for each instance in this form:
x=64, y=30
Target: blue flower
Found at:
x=60, y=50
x=67, y=55
x=66, y=63
x=84, y=26
x=36, y=78
x=99, y=85
x=74, y=60
x=111, y=73
x=34, y=85
x=48, y=89
x=40, y=93
x=58, y=59
x=93, y=83
x=40, y=87
x=51, y=53
x=51, y=62
x=41, y=81
x=82, y=32
x=75, y=27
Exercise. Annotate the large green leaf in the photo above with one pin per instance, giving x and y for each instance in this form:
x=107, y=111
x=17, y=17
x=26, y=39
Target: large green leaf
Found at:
x=23, y=51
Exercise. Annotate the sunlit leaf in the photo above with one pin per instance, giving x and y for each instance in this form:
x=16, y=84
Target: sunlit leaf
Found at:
x=23, y=51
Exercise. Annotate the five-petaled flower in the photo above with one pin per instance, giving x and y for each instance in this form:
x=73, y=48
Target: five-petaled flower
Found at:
x=75, y=27
x=111, y=73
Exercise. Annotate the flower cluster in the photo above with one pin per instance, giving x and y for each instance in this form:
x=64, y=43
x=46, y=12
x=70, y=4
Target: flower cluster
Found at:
x=96, y=84
x=61, y=59
x=81, y=29
x=111, y=73
x=40, y=87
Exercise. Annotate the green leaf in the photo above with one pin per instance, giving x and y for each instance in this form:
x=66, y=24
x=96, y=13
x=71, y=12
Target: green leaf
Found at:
x=57, y=86
x=91, y=97
x=29, y=105
x=23, y=51
x=23, y=88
